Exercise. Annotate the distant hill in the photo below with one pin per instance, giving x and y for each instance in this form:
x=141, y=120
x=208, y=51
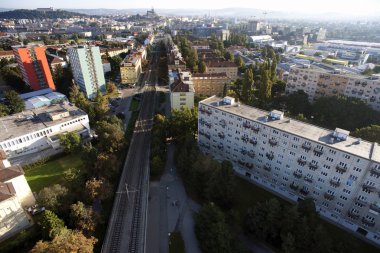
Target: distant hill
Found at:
x=34, y=14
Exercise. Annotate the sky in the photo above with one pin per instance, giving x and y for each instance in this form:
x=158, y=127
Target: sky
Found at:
x=355, y=7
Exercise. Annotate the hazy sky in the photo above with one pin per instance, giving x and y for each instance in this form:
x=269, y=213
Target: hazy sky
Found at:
x=353, y=7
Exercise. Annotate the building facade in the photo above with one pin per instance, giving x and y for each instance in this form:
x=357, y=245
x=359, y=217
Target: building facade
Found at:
x=297, y=161
x=228, y=67
x=130, y=69
x=181, y=91
x=37, y=130
x=318, y=82
x=87, y=68
x=209, y=84
x=34, y=67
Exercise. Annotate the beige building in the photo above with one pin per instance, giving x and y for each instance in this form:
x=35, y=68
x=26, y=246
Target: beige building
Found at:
x=227, y=67
x=207, y=84
x=182, y=91
x=130, y=69
x=15, y=195
x=319, y=82
x=297, y=161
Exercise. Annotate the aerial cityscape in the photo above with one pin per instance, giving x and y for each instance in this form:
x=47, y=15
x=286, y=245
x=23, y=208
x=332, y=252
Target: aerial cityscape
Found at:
x=168, y=127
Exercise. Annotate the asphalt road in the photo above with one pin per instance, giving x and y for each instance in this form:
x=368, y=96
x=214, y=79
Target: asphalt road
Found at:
x=126, y=230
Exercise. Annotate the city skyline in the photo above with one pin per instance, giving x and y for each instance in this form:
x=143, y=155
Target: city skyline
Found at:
x=366, y=7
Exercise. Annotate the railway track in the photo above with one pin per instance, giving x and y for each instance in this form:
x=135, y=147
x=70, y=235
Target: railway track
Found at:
x=127, y=225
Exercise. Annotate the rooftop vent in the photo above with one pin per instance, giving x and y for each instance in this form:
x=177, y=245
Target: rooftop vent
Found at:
x=341, y=134
x=229, y=100
x=276, y=115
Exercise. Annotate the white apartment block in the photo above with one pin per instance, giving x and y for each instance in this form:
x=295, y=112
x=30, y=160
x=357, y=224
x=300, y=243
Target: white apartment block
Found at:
x=297, y=160
x=36, y=130
x=318, y=82
x=181, y=90
x=87, y=68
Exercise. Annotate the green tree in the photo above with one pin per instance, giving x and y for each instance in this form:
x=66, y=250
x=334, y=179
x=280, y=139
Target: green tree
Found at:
x=247, y=86
x=75, y=37
x=298, y=103
x=111, y=88
x=183, y=120
x=71, y=141
x=4, y=111
x=239, y=61
x=222, y=185
x=51, y=225
x=228, y=56
x=98, y=189
x=110, y=137
x=82, y=218
x=52, y=197
x=202, y=67
x=288, y=244
x=265, y=90
x=67, y=241
x=371, y=133
x=212, y=231
x=157, y=166
x=100, y=106
x=14, y=103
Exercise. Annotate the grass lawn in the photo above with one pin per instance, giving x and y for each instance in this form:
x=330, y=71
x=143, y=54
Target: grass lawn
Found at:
x=52, y=171
x=176, y=244
x=249, y=194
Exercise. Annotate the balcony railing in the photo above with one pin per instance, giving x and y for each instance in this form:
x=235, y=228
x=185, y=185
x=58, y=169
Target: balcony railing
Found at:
x=220, y=147
x=369, y=188
x=249, y=165
x=253, y=142
x=241, y=162
x=270, y=156
x=255, y=128
x=306, y=147
x=202, y=110
x=340, y=169
x=272, y=142
x=304, y=192
x=208, y=136
x=328, y=196
x=222, y=123
x=293, y=187
x=245, y=138
x=267, y=168
x=301, y=161
x=375, y=171
x=369, y=223
x=308, y=179
x=251, y=154
x=243, y=152
x=313, y=166
x=221, y=135
x=352, y=215
x=375, y=208
x=318, y=151
x=246, y=125
x=297, y=174
x=334, y=183
x=361, y=202
x=208, y=125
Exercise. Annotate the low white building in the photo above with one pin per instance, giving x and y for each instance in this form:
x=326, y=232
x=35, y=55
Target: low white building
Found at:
x=182, y=91
x=37, y=130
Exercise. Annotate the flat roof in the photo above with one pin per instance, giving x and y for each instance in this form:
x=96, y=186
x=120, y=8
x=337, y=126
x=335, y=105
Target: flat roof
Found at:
x=364, y=149
x=33, y=120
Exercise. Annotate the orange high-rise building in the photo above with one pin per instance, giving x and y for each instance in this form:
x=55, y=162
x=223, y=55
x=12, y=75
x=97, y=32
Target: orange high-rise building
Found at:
x=34, y=67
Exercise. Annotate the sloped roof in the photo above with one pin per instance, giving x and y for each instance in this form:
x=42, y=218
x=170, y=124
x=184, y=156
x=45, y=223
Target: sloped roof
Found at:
x=10, y=173
x=3, y=155
x=221, y=64
x=179, y=86
x=6, y=191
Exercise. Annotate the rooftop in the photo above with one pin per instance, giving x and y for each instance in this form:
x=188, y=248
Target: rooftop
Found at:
x=220, y=64
x=10, y=173
x=223, y=74
x=314, y=133
x=35, y=119
x=6, y=191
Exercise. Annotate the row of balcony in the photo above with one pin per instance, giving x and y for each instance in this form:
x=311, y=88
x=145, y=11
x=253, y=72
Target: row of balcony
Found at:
x=252, y=127
x=203, y=111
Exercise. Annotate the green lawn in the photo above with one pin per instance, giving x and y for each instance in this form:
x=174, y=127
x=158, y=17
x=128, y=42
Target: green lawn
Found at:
x=176, y=244
x=52, y=171
x=249, y=194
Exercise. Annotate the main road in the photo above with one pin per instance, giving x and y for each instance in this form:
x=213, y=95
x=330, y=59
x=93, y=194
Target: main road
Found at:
x=126, y=231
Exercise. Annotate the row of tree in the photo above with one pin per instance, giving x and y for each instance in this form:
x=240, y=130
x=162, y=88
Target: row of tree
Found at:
x=158, y=146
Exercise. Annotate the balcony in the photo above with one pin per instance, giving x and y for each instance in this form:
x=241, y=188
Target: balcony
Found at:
x=243, y=152
x=328, y=196
x=313, y=166
x=270, y=156
x=251, y=154
x=202, y=110
x=368, y=223
x=221, y=135
x=208, y=136
x=208, y=112
x=340, y=169
x=208, y=124
x=352, y=215
x=301, y=161
x=334, y=183
x=222, y=123
x=369, y=188
x=318, y=151
x=375, y=207
x=304, y=192
x=246, y=125
x=297, y=174
x=267, y=168
x=220, y=147
x=375, y=171
x=253, y=142
x=272, y=142
x=306, y=147
x=256, y=129
x=293, y=187
x=308, y=179
x=241, y=162
x=245, y=138
x=249, y=165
